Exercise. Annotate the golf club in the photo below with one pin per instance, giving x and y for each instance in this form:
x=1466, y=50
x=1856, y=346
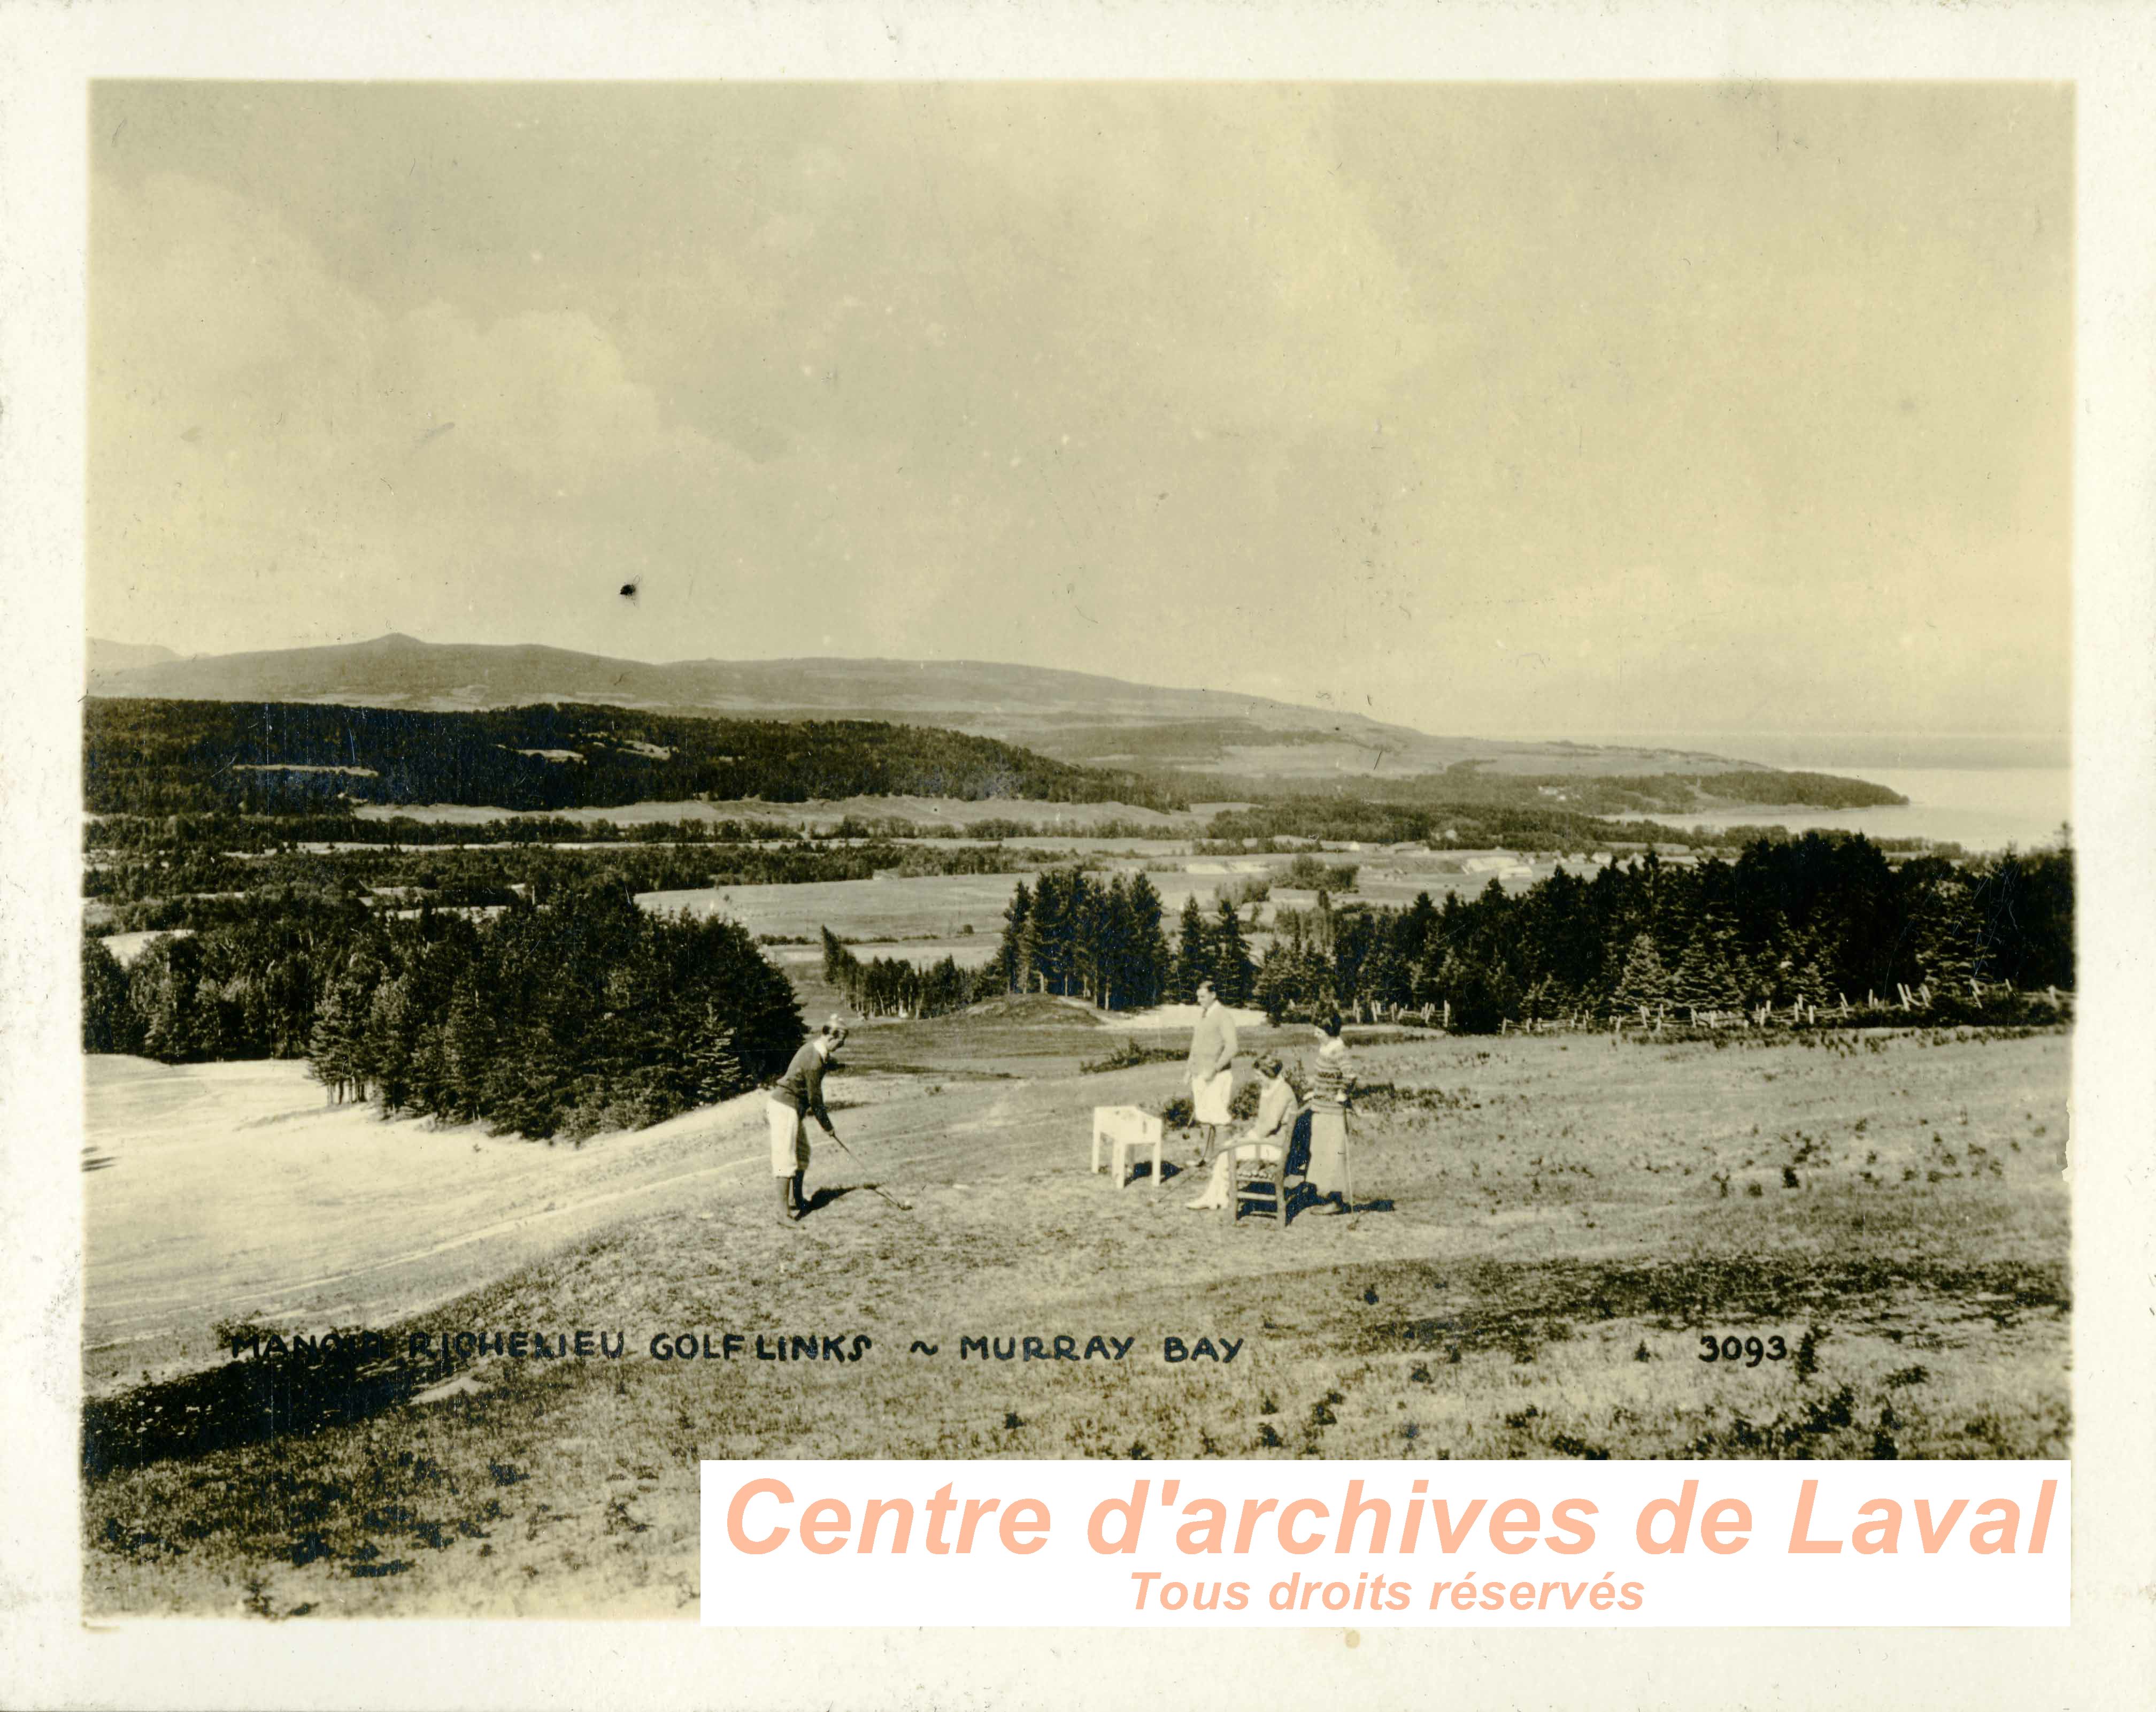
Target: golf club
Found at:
x=904, y=1206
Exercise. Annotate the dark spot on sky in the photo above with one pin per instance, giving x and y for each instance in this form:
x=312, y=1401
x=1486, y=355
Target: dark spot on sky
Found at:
x=629, y=591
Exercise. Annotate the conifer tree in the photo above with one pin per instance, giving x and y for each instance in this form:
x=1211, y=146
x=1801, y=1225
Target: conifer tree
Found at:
x=1193, y=956
x=1949, y=940
x=1146, y=965
x=432, y=1079
x=1355, y=941
x=467, y=1045
x=1644, y=981
x=1010, y=956
x=330, y=1046
x=1274, y=990
x=160, y=992
x=835, y=957
x=1232, y=970
x=336, y=1045
x=1705, y=978
x=107, y=1025
x=388, y=1041
x=1092, y=930
x=1808, y=984
x=1412, y=945
x=1048, y=930
x=290, y=990
x=716, y=1070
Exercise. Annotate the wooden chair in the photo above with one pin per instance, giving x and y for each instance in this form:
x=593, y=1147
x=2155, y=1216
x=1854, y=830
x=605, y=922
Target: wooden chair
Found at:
x=1346, y=1161
x=1260, y=1181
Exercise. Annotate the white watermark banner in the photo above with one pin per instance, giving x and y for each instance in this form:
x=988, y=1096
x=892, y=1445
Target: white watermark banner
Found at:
x=1430, y=1544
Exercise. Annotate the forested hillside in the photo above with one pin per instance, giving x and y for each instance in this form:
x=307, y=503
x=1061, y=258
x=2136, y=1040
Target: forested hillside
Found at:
x=164, y=758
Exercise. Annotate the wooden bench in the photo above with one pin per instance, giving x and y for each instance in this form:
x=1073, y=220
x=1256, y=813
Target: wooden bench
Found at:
x=1127, y=1130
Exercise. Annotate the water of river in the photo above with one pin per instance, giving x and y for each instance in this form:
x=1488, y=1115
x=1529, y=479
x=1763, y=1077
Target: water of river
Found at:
x=1979, y=808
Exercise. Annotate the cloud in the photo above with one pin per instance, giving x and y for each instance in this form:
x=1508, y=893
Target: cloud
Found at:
x=262, y=429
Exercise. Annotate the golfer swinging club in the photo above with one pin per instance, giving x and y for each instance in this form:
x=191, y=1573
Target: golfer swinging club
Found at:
x=1211, y=1068
x=797, y=1096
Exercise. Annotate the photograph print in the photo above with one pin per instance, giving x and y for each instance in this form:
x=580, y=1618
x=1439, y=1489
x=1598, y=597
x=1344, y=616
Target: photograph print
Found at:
x=1042, y=770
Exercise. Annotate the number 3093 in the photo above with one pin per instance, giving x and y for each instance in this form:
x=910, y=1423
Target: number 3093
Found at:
x=1751, y=1351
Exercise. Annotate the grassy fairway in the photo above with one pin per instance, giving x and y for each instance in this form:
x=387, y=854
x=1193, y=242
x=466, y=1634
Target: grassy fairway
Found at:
x=1548, y=1228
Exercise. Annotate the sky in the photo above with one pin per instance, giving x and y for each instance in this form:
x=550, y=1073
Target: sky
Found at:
x=1529, y=410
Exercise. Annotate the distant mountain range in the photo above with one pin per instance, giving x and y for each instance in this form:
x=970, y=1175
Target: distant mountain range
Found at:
x=1070, y=716
x=108, y=657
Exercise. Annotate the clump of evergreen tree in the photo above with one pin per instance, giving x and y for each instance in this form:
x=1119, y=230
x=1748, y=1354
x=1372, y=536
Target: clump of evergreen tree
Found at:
x=1076, y=936
x=580, y=1013
x=896, y=986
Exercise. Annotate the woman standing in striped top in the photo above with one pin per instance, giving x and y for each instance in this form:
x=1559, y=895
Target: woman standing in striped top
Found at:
x=1331, y=1088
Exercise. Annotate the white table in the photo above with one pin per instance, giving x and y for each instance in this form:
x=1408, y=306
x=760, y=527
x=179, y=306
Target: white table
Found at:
x=1127, y=1130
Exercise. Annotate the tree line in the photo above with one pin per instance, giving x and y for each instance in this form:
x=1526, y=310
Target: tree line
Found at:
x=1444, y=825
x=1472, y=788
x=1077, y=935
x=896, y=986
x=1814, y=920
x=566, y=1017
x=1278, y=823
x=256, y=834
x=197, y=887
x=261, y=834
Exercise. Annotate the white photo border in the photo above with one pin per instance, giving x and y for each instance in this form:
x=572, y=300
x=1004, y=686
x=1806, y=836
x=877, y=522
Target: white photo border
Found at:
x=50, y=53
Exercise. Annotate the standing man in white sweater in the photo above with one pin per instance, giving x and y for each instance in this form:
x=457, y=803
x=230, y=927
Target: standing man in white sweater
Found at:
x=1210, y=1070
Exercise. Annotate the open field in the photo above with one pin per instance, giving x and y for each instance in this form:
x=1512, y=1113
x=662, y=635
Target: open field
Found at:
x=1545, y=1229
x=867, y=910
x=970, y=952
x=887, y=911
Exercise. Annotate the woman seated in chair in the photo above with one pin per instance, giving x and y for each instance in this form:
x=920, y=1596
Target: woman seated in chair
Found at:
x=1266, y=1139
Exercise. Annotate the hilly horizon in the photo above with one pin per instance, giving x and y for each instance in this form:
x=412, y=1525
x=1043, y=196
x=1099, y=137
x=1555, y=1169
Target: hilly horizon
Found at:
x=1067, y=716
